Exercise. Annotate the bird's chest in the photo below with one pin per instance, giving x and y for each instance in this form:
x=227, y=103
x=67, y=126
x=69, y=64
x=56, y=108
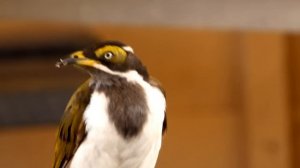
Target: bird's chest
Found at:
x=123, y=125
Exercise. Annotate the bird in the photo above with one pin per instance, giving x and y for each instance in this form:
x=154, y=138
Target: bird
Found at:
x=117, y=117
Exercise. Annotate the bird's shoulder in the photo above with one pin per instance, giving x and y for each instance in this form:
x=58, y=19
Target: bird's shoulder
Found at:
x=72, y=128
x=154, y=82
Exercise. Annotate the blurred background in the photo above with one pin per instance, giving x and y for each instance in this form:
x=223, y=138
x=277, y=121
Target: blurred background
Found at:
x=230, y=69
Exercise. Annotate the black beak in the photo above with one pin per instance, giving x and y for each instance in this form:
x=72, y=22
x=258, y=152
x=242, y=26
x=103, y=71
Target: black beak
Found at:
x=65, y=62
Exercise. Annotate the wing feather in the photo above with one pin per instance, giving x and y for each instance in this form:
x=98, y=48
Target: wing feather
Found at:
x=71, y=131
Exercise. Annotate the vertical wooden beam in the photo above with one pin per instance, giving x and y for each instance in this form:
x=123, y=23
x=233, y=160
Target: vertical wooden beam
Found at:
x=266, y=109
x=294, y=71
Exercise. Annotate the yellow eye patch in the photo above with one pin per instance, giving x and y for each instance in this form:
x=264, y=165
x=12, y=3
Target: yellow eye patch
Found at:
x=119, y=54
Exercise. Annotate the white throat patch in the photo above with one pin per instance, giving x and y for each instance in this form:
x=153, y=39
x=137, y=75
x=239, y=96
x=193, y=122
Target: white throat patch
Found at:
x=130, y=75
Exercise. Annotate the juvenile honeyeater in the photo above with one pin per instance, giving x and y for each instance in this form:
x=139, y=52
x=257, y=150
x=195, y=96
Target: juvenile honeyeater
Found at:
x=115, y=119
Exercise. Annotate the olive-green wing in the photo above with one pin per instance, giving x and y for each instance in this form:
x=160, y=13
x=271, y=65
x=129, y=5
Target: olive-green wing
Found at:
x=156, y=83
x=72, y=129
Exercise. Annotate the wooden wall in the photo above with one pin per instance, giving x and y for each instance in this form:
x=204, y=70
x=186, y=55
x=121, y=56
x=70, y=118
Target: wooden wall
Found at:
x=294, y=93
x=232, y=99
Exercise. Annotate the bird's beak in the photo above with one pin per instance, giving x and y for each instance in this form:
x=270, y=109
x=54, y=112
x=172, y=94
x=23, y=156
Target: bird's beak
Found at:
x=76, y=58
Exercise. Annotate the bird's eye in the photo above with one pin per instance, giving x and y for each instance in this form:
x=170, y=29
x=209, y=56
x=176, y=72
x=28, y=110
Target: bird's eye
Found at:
x=108, y=55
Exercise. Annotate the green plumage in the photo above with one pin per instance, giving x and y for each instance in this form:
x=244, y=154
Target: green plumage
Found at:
x=72, y=130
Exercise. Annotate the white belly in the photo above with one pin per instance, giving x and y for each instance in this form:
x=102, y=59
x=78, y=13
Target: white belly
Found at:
x=105, y=148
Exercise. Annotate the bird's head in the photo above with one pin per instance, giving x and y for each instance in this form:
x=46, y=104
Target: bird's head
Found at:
x=109, y=56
